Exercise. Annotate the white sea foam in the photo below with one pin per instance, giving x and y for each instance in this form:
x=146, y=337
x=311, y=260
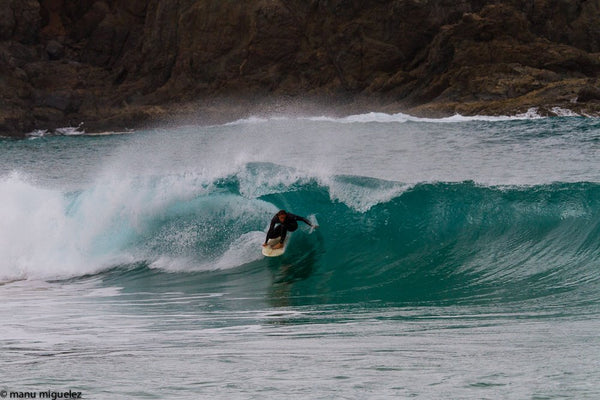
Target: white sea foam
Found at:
x=563, y=112
x=65, y=131
x=38, y=239
x=380, y=117
x=402, y=118
x=255, y=120
x=38, y=133
x=47, y=233
x=532, y=113
x=71, y=130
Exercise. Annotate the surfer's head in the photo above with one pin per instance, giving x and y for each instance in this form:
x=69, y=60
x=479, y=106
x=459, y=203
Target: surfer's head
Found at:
x=281, y=215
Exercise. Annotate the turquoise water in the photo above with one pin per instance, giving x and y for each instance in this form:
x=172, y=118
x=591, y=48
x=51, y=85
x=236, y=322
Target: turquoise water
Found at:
x=455, y=258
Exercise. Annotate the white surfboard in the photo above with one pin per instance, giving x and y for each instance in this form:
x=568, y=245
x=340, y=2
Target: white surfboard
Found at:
x=269, y=251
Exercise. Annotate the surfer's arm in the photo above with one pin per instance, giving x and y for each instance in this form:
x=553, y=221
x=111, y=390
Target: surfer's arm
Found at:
x=307, y=222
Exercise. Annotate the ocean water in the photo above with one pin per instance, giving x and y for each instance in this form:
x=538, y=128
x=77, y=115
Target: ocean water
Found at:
x=455, y=258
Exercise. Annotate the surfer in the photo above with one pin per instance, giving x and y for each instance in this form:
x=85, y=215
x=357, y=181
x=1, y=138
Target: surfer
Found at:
x=281, y=223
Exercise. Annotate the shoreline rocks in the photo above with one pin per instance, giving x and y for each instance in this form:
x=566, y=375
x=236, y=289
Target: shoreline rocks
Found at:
x=116, y=64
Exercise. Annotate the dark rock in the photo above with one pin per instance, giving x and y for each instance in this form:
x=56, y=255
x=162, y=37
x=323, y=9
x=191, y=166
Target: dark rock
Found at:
x=59, y=100
x=588, y=93
x=20, y=74
x=27, y=20
x=7, y=22
x=120, y=76
x=46, y=114
x=55, y=50
x=130, y=60
x=88, y=20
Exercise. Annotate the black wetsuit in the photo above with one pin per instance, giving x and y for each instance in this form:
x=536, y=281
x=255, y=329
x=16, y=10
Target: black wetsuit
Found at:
x=280, y=229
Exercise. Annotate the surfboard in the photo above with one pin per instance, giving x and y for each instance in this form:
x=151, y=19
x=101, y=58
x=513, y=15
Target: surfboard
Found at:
x=269, y=251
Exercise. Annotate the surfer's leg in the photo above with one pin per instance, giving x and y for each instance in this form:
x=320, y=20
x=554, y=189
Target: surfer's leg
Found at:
x=289, y=227
x=283, y=233
x=277, y=232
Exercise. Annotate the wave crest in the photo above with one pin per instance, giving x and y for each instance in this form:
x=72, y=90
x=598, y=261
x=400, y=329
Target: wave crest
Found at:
x=378, y=239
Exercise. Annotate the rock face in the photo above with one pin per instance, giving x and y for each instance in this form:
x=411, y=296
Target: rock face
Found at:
x=118, y=63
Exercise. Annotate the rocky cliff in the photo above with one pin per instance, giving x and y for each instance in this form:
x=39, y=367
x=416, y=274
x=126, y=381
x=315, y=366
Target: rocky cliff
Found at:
x=118, y=63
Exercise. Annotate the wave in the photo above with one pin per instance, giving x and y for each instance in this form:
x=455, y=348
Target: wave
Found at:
x=381, y=117
x=532, y=113
x=378, y=240
x=402, y=118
